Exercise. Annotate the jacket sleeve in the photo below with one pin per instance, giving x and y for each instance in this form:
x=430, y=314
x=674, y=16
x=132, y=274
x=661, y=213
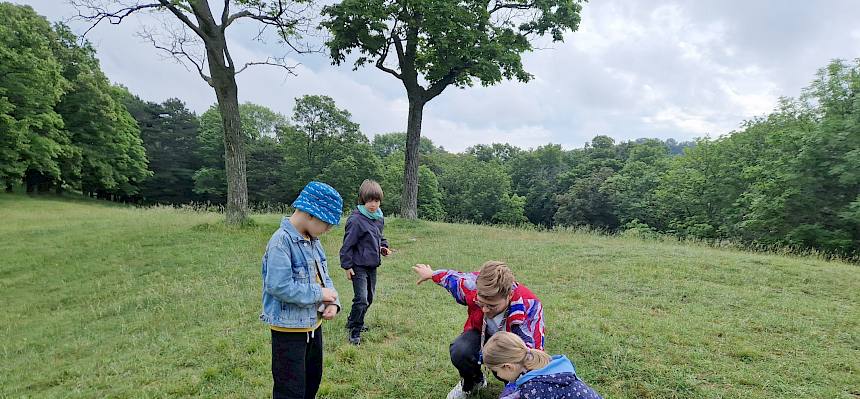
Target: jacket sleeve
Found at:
x=279, y=283
x=330, y=284
x=457, y=283
x=527, y=323
x=351, y=233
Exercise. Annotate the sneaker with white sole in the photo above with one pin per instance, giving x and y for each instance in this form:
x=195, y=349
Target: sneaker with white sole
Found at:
x=458, y=393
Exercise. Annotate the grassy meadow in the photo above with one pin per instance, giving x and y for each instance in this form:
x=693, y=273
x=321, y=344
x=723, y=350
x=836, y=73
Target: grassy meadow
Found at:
x=102, y=300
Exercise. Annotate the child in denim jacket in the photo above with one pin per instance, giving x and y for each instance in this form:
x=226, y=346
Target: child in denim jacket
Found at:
x=298, y=293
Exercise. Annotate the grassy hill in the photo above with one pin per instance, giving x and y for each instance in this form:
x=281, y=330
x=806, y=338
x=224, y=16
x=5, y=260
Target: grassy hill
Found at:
x=102, y=300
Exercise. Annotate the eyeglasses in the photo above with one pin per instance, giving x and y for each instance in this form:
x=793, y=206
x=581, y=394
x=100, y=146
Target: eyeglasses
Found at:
x=491, y=305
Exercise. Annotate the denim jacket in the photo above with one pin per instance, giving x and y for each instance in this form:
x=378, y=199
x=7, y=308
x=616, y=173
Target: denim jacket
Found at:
x=291, y=294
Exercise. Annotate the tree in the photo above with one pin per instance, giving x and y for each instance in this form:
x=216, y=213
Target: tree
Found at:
x=258, y=122
x=479, y=192
x=32, y=139
x=389, y=143
x=501, y=153
x=107, y=157
x=430, y=199
x=268, y=178
x=442, y=43
x=169, y=133
x=535, y=176
x=806, y=183
x=586, y=204
x=632, y=191
x=324, y=143
x=198, y=24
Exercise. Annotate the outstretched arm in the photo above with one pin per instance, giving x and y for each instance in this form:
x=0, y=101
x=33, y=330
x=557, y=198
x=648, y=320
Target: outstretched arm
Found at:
x=457, y=283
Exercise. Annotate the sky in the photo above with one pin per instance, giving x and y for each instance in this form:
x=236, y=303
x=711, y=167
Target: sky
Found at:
x=658, y=69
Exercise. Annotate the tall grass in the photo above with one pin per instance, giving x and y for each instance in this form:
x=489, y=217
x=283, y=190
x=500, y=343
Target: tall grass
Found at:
x=113, y=301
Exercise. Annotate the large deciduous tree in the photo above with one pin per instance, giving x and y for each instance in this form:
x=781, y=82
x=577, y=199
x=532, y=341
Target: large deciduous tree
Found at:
x=203, y=28
x=439, y=43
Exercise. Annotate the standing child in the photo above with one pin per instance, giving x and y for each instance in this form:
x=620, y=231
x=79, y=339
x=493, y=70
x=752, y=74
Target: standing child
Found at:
x=495, y=302
x=363, y=243
x=298, y=292
x=536, y=374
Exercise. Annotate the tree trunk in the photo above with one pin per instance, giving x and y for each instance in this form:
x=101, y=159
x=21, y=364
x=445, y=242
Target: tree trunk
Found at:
x=8, y=187
x=227, y=93
x=409, y=202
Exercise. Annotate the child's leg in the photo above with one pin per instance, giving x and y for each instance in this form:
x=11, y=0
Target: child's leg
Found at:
x=464, y=356
x=314, y=364
x=371, y=286
x=288, y=364
x=359, y=299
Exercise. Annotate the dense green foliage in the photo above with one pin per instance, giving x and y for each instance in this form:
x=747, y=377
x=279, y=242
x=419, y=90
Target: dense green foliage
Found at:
x=62, y=124
x=787, y=179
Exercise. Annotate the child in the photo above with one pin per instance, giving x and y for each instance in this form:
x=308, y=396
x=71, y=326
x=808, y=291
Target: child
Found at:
x=495, y=302
x=363, y=243
x=536, y=374
x=298, y=292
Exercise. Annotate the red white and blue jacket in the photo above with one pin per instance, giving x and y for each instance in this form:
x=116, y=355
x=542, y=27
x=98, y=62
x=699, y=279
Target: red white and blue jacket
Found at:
x=524, y=315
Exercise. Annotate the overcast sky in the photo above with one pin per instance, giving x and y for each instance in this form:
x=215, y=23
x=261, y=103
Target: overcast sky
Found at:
x=661, y=68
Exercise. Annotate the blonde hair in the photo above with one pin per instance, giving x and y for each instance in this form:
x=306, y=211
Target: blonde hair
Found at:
x=370, y=190
x=504, y=347
x=495, y=280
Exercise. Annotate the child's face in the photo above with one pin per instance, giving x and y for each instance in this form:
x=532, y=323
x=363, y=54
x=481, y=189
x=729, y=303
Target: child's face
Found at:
x=492, y=306
x=317, y=227
x=508, y=371
x=372, y=205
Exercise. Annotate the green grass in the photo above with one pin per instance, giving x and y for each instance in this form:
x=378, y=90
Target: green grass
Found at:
x=108, y=301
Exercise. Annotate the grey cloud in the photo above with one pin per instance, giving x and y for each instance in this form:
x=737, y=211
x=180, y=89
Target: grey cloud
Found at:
x=635, y=69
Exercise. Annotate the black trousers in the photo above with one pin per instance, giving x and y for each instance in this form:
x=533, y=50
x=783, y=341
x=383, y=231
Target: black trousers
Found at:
x=363, y=288
x=297, y=364
x=464, y=356
x=465, y=351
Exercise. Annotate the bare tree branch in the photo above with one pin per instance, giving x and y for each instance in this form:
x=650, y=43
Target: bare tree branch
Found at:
x=179, y=53
x=436, y=88
x=285, y=20
x=230, y=19
x=279, y=62
x=229, y=59
x=182, y=17
x=379, y=64
x=381, y=57
x=99, y=13
x=224, y=14
x=514, y=6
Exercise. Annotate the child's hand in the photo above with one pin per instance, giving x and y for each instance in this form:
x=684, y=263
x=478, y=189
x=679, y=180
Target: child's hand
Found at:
x=329, y=295
x=330, y=312
x=349, y=274
x=385, y=251
x=424, y=272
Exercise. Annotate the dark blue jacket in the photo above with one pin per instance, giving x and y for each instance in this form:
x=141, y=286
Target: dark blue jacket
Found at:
x=362, y=238
x=557, y=380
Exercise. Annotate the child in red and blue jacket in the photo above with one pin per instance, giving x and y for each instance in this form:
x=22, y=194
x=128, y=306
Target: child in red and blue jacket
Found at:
x=494, y=302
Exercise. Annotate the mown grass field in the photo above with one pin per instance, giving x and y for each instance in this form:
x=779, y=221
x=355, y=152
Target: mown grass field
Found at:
x=101, y=300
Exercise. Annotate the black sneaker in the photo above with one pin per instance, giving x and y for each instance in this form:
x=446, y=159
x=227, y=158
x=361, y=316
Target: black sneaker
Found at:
x=355, y=337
